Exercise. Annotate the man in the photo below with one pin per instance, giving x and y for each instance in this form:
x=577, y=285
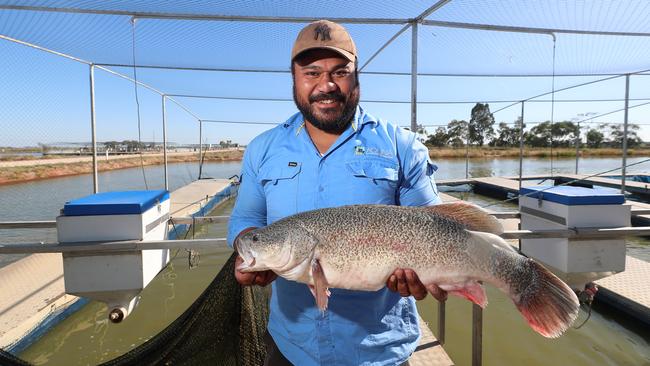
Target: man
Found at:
x=333, y=153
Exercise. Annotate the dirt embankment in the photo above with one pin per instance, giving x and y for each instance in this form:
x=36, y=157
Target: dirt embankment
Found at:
x=37, y=169
x=65, y=167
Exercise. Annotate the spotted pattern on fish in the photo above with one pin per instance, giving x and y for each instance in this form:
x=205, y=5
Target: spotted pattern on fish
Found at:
x=358, y=247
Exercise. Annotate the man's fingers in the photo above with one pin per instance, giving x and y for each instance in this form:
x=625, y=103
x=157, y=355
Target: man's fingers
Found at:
x=402, y=286
x=264, y=278
x=392, y=283
x=437, y=292
x=415, y=287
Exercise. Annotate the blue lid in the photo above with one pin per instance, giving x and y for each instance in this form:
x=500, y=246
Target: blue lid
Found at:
x=115, y=203
x=572, y=196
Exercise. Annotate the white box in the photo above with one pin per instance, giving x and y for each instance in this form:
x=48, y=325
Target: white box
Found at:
x=575, y=207
x=113, y=277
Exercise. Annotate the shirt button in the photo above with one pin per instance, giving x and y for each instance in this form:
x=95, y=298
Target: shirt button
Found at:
x=320, y=189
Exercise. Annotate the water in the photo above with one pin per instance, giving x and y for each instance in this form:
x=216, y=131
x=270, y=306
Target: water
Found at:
x=42, y=200
x=607, y=339
x=92, y=339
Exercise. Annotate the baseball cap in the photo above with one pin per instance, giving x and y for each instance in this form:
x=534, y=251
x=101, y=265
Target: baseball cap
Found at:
x=325, y=34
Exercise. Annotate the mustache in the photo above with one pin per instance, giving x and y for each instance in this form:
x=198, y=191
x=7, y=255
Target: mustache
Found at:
x=326, y=96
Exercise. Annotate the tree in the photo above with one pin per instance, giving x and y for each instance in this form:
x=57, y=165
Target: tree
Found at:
x=457, y=132
x=595, y=138
x=439, y=138
x=616, y=134
x=561, y=133
x=481, y=124
x=508, y=136
x=111, y=145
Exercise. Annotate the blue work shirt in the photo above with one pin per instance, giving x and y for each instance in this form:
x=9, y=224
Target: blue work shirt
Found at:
x=372, y=162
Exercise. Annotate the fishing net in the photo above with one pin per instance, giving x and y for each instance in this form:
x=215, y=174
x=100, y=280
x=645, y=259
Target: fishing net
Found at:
x=224, y=326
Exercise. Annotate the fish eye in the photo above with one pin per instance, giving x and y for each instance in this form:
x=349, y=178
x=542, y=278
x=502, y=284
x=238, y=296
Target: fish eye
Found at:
x=255, y=238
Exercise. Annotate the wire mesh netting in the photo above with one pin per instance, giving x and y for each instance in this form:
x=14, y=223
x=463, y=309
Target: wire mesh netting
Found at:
x=208, y=332
x=232, y=71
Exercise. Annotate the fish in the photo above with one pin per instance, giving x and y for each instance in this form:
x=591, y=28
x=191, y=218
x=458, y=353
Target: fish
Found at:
x=454, y=246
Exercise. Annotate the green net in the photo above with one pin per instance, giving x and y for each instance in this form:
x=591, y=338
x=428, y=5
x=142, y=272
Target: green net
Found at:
x=224, y=326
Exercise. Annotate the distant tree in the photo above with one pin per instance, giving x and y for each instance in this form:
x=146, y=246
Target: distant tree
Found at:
x=133, y=145
x=481, y=124
x=457, y=132
x=616, y=135
x=595, y=138
x=561, y=133
x=439, y=138
x=507, y=136
x=111, y=145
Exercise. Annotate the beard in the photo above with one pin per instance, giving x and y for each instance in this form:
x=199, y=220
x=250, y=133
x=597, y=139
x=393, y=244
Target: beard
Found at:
x=329, y=120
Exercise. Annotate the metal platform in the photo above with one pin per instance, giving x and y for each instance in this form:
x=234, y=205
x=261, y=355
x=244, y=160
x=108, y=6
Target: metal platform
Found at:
x=32, y=288
x=429, y=352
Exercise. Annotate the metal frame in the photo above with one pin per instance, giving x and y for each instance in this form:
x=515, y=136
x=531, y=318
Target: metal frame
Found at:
x=413, y=23
x=93, y=131
x=394, y=73
x=627, y=104
x=112, y=246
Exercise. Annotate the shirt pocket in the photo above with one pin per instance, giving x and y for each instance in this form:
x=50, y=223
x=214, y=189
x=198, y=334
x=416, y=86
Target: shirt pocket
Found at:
x=374, y=180
x=280, y=186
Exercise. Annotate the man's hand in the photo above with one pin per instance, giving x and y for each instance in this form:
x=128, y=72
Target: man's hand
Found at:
x=407, y=283
x=261, y=278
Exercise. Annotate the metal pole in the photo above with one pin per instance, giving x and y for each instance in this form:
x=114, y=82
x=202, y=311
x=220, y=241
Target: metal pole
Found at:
x=467, y=154
x=477, y=335
x=577, y=147
x=92, y=128
x=414, y=76
x=200, y=146
x=164, y=127
x=521, y=146
x=627, y=104
x=441, y=322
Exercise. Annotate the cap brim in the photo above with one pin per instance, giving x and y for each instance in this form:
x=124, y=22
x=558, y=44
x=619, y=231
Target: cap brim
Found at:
x=342, y=52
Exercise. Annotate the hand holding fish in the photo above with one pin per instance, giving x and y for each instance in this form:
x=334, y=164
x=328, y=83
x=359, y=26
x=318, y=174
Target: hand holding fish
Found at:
x=261, y=278
x=407, y=283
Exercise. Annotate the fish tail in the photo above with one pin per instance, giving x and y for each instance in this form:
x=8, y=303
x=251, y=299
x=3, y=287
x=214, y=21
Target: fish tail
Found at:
x=546, y=302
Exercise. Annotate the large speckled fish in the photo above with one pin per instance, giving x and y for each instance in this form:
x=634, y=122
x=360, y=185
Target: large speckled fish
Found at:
x=453, y=246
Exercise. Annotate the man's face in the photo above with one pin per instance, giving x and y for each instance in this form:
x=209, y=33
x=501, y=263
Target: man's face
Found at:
x=325, y=89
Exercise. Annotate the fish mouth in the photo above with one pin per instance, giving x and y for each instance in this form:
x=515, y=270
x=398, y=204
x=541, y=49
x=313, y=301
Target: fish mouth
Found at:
x=249, y=256
x=246, y=266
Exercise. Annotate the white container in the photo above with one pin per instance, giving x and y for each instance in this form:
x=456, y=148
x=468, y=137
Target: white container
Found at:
x=115, y=278
x=577, y=261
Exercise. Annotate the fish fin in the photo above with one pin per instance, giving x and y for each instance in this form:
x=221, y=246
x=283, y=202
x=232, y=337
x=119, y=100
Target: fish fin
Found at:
x=548, y=304
x=320, y=289
x=469, y=215
x=472, y=291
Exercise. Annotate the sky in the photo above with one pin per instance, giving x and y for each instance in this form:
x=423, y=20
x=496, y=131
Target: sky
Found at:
x=45, y=98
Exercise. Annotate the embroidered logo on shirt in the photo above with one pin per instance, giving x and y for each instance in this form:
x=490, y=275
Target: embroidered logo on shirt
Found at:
x=293, y=163
x=359, y=150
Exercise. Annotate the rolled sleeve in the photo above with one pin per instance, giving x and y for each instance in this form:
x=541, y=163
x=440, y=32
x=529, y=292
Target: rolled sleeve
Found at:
x=250, y=206
x=418, y=187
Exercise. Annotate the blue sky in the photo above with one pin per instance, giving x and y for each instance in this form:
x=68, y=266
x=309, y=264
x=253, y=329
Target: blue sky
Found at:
x=45, y=98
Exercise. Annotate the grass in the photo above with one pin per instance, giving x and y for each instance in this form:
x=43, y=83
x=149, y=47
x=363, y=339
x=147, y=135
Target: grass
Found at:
x=491, y=152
